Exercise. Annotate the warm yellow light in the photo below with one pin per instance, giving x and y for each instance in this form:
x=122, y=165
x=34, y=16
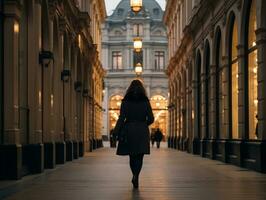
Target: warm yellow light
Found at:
x=136, y=5
x=157, y=104
x=256, y=102
x=52, y=100
x=40, y=97
x=118, y=103
x=79, y=40
x=254, y=44
x=16, y=27
x=138, y=69
x=255, y=70
x=137, y=44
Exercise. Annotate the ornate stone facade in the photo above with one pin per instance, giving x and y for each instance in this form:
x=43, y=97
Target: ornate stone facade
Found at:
x=217, y=79
x=51, y=76
x=118, y=33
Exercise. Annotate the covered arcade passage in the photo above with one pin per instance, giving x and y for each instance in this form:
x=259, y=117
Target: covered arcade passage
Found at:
x=55, y=100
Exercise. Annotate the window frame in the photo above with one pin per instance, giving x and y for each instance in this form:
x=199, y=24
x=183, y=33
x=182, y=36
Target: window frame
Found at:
x=115, y=60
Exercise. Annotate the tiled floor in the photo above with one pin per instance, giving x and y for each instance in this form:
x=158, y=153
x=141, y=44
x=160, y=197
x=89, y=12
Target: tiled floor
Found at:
x=167, y=174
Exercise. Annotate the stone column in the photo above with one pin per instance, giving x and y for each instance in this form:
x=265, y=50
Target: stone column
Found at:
x=73, y=105
x=11, y=62
x=183, y=108
x=60, y=143
x=212, y=92
x=46, y=87
x=170, y=115
x=203, y=104
x=242, y=103
x=174, y=114
x=195, y=134
x=226, y=86
x=188, y=107
x=11, y=163
x=261, y=43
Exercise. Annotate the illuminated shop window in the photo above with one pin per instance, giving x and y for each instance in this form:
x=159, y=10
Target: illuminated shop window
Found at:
x=234, y=79
x=252, y=72
x=159, y=107
x=114, y=110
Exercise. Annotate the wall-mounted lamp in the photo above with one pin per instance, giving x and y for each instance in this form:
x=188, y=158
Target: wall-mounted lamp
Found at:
x=65, y=75
x=78, y=86
x=137, y=44
x=138, y=69
x=16, y=27
x=45, y=57
x=136, y=5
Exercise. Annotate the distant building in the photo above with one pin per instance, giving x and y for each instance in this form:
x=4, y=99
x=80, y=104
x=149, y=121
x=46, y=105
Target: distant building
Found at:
x=117, y=47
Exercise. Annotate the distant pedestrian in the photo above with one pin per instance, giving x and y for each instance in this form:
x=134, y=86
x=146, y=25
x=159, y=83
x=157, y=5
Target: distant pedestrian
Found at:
x=152, y=139
x=158, y=136
x=112, y=139
x=132, y=127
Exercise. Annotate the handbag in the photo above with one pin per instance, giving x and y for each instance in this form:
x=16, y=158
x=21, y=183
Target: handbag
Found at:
x=122, y=134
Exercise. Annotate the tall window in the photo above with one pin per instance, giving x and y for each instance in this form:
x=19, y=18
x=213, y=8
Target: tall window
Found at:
x=159, y=60
x=252, y=72
x=117, y=60
x=137, y=29
x=234, y=78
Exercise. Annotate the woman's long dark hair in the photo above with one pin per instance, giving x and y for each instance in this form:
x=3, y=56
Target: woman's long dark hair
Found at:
x=136, y=92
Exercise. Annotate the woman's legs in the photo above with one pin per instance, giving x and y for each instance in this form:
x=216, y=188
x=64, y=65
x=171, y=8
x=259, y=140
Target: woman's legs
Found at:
x=136, y=162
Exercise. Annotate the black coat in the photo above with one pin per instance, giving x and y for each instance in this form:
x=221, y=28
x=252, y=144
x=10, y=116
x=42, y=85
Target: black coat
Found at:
x=135, y=116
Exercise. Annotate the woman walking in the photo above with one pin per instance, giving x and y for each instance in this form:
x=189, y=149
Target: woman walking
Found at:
x=132, y=128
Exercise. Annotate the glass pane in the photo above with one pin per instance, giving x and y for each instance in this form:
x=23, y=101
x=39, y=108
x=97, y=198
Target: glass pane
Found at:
x=234, y=42
x=161, y=63
x=119, y=62
x=252, y=25
x=235, y=101
x=253, y=94
x=114, y=62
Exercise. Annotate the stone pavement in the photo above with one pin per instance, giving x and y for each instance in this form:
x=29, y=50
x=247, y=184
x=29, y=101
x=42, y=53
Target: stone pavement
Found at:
x=167, y=175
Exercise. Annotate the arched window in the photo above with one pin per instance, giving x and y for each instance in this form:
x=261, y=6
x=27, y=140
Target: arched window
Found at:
x=219, y=84
x=207, y=85
x=198, y=77
x=251, y=48
x=233, y=64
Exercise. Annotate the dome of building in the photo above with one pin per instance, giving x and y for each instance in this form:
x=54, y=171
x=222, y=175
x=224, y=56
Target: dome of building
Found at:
x=151, y=8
